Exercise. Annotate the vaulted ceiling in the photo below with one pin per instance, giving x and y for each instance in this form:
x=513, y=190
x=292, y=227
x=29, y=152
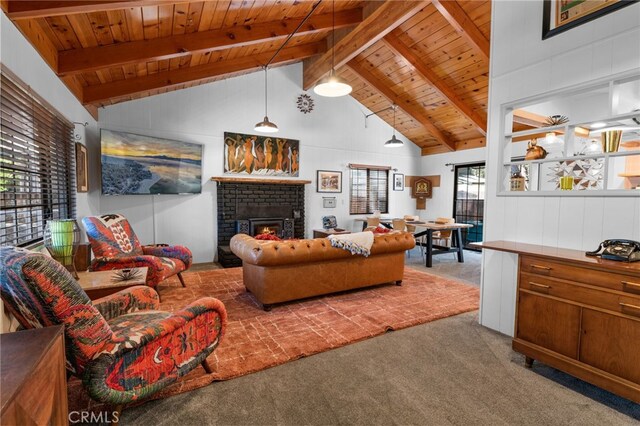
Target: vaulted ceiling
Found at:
x=430, y=58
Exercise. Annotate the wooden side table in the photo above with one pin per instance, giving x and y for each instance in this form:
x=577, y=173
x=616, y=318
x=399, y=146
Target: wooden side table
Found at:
x=101, y=283
x=33, y=377
x=323, y=233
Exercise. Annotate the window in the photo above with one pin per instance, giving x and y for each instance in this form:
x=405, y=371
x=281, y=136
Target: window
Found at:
x=36, y=164
x=369, y=189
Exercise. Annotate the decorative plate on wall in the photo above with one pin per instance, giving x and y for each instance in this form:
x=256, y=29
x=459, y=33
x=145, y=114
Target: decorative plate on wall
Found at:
x=305, y=103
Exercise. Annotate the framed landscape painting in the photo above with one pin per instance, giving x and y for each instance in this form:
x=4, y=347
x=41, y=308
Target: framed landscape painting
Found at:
x=329, y=181
x=562, y=15
x=261, y=155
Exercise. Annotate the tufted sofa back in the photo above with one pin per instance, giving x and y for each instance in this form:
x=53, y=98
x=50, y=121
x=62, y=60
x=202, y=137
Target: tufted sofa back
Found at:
x=269, y=253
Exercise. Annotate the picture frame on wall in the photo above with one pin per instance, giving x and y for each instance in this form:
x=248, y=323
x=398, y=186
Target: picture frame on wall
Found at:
x=82, y=174
x=562, y=15
x=398, y=182
x=329, y=181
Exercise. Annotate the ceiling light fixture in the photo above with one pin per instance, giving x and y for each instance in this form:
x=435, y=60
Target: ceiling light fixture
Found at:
x=265, y=126
x=394, y=142
x=332, y=86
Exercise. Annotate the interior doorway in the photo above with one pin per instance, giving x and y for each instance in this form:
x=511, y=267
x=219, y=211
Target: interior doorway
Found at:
x=468, y=200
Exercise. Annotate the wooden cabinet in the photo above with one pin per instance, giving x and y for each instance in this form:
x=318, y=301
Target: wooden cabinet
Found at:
x=33, y=381
x=579, y=314
x=581, y=318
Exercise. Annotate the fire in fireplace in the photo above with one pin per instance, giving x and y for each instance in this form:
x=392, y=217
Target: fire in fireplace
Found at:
x=279, y=227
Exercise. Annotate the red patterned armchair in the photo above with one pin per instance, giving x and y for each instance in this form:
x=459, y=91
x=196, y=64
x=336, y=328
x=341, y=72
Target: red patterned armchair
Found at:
x=116, y=246
x=121, y=346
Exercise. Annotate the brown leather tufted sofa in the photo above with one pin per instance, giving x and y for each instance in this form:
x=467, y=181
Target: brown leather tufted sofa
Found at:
x=280, y=271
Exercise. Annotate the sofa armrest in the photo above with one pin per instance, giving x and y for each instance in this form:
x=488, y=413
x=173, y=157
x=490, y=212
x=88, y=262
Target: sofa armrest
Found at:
x=138, y=298
x=135, y=367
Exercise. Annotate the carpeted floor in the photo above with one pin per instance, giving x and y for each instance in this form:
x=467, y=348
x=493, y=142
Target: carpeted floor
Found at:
x=256, y=339
x=447, y=372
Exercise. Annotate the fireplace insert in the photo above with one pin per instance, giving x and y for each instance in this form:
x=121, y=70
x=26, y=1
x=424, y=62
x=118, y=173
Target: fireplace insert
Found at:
x=280, y=227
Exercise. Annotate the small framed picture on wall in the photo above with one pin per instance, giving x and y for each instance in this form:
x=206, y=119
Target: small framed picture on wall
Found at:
x=329, y=181
x=398, y=182
x=82, y=174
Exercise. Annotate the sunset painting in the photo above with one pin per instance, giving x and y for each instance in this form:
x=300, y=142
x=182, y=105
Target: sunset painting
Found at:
x=136, y=164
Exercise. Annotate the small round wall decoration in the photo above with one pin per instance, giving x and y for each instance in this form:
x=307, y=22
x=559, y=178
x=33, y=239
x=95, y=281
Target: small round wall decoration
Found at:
x=305, y=103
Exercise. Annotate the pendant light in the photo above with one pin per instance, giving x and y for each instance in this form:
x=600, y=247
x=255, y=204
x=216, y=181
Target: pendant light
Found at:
x=394, y=142
x=265, y=126
x=332, y=86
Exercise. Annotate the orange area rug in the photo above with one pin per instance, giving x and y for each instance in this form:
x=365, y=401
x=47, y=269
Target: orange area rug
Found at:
x=256, y=340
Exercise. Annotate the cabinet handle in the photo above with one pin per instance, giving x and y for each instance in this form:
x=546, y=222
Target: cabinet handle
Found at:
x=631, y=287
x=544, y=268
x=541, y=286
x=632, y=307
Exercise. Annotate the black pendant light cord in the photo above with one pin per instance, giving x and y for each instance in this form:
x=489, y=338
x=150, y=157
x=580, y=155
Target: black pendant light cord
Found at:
x=333, y=37
x=394, y=119
x=266, y=113
x=313, y=9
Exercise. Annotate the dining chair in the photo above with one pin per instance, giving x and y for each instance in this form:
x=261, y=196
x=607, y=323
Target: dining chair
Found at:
x=399, y=224
x=373, y=221
x=412, y=229
x=444, y=236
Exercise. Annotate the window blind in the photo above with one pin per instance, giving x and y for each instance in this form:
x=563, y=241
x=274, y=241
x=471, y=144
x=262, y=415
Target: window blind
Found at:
x=37, y=179
x=369, y=189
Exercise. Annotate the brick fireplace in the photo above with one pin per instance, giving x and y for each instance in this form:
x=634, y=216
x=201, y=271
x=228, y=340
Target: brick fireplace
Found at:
x=250, y=205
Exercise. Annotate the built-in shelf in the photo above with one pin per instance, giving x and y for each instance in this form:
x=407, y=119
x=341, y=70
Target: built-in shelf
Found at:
x=227, y=179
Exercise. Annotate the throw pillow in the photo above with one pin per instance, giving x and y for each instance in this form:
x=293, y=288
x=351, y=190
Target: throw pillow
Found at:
x=267, y=237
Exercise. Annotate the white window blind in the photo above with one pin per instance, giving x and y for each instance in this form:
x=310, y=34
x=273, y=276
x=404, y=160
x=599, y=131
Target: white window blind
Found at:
x=37, y=180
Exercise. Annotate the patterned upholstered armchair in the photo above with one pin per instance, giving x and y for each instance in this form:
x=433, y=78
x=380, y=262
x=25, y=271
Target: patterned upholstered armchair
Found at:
x=116, y=246
x=122, y=347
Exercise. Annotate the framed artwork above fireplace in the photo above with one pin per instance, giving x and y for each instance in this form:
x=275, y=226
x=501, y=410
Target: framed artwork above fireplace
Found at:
x=261, y=155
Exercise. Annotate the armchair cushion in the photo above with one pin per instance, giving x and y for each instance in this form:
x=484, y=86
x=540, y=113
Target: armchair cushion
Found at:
x=111, y=236
x=133, y=299
x=170, y=252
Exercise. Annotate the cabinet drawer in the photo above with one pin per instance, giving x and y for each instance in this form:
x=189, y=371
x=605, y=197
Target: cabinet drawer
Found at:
x=601, y=278
x=629, y=305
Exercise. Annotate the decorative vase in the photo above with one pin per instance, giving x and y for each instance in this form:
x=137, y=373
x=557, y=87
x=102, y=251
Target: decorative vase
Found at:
x=566, y=183
x=61, y=238
x=611, y=140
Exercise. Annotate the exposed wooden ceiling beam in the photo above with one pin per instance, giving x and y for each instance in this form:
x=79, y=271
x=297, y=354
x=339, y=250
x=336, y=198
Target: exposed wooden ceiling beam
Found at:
x=29, y=9
x=410, y=109
x=458, y=19
x=172, y=78
x=460, y=145
x=530, y=119
x=93, y=58
x=379, y=23
x=399, y=48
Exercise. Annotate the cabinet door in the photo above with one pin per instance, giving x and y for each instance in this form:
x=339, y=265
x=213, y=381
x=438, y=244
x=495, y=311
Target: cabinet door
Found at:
x=549, y=323
x=611, y=343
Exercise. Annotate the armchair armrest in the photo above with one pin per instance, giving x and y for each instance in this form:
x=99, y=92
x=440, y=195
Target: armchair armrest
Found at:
x=138, y=298
x=137, y=366
x=176, y=252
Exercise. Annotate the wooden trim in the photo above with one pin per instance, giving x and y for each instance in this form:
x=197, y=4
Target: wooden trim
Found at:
x=368, y=166
x=467, y=29
x=30, y=9
x=168, y=79
x=393, y=42
x=379, y=23
x=81, y=60
x=410, y=109
x=224, y=179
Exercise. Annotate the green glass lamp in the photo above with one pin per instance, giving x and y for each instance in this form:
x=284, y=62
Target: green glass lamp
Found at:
x=61, y=238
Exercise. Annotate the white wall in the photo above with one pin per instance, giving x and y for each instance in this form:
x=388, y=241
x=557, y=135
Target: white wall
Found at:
x=523, y=65
x=331, y=136
x=441, y=203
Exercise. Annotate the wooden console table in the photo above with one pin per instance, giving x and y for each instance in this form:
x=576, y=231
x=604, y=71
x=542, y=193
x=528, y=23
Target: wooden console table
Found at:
x=34, y=381
x=578, y=314
x=323, y=233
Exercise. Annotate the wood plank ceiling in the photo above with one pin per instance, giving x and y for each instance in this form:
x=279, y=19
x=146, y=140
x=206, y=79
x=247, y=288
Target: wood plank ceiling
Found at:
x=430, y=58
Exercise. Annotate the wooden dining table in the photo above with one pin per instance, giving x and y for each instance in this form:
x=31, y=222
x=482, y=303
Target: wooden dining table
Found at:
x=428, y=228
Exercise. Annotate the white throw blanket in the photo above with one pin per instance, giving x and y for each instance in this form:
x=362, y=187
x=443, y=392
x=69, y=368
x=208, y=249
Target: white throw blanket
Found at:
x=357, y=243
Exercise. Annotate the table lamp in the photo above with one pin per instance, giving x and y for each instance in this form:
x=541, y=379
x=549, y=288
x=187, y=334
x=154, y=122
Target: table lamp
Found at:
x=61, y=238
